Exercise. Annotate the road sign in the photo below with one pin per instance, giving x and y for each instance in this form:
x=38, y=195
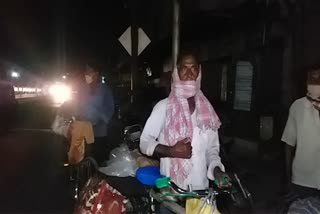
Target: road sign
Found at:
x=143, y=40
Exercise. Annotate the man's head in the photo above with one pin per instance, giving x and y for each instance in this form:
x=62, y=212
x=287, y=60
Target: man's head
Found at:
x=91, y=73
x=314, y=76
x=313, y=82
x=188, y=66
x=186, y=80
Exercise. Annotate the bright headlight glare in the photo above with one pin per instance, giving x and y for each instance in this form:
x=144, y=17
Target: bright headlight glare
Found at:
x=60, y=93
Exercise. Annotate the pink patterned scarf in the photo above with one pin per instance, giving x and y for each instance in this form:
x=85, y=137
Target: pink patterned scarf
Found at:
x=178, y=119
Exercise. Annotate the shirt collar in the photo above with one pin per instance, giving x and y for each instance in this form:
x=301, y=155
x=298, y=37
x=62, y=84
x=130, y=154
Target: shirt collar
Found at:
x=307, y=103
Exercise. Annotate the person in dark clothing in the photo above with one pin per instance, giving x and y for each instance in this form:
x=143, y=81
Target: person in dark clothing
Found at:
x=96, y=105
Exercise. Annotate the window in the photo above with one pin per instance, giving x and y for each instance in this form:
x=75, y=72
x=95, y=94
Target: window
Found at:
x=243, y=86
x=224, y=83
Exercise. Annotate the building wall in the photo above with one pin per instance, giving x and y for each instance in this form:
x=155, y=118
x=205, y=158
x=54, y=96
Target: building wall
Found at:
x=279, y=46
x=246, y=44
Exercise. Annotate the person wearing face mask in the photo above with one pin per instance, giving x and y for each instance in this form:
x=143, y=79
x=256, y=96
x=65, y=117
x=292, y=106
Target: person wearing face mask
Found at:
x=302, y=138
x=96, y=105
x=182, y=131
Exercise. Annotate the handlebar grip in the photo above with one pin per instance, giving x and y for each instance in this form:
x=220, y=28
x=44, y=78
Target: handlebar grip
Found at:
x=225, y=181
x=163, y=182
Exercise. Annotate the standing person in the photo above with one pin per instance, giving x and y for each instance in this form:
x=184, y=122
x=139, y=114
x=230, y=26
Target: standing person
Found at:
x=302, y=138
x=96, y=105
x=182, y=130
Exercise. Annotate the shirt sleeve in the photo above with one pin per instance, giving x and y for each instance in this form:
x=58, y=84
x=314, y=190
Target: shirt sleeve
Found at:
x=152, y=129
x=290, y=132
x=213, y=158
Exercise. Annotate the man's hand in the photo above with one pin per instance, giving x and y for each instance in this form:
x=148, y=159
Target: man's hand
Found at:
x=222, y=179
x=182, y=149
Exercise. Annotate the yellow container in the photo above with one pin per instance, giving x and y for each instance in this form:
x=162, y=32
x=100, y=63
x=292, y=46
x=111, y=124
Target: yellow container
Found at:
x=194, y=205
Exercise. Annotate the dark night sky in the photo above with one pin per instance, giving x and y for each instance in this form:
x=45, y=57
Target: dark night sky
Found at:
x=24, y=35
x=34, y=33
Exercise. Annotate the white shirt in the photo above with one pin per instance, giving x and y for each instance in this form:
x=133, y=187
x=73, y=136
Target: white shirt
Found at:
x=205, y=148
x=303, y=132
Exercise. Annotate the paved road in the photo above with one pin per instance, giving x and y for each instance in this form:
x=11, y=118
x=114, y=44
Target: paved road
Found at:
x=32, y=176
x=35, y=113
x=33, y=179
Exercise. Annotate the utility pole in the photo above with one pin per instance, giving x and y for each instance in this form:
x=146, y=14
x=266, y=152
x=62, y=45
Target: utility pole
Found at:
x=60, y=37
x=175, y=33
x=134, y=48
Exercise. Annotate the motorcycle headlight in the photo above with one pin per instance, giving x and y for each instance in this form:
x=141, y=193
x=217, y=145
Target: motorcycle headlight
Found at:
x=60, y=93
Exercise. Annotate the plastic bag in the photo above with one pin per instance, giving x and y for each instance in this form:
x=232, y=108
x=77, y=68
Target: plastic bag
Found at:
x=59, y=126
x=199, y=206
x=121, y=163
x=143, y=160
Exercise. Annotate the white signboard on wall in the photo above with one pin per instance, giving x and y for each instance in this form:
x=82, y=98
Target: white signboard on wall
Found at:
x=243, y=88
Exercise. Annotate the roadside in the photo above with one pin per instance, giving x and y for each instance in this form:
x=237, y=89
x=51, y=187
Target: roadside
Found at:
x=262, y=174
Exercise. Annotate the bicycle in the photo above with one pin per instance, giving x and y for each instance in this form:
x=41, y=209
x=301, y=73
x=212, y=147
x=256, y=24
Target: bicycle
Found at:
x=155, y=183
x=241, y=199
x=79, y=174
x=147, y=196
x=207, y=197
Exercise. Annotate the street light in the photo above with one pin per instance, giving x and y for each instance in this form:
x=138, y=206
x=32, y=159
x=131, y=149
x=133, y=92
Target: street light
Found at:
x=15, y=74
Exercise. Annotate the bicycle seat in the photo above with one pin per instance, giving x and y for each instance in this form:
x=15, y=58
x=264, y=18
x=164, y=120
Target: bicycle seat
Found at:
x=148, y=175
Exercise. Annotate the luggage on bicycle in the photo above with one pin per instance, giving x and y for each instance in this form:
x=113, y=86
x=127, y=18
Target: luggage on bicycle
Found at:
x=98, y=197
x=81, y=133
x=198, y=206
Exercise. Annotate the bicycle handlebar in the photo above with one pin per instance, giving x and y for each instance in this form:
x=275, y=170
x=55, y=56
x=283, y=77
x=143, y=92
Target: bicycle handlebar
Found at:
x=166, y=182
x=204, y=192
